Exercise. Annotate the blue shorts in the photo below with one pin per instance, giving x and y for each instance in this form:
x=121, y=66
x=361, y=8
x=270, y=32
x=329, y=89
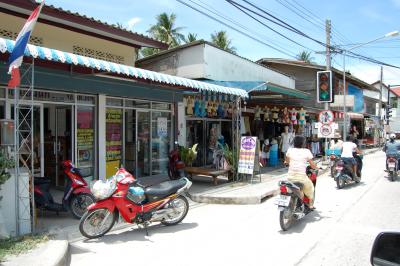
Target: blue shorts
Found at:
x=350, y=160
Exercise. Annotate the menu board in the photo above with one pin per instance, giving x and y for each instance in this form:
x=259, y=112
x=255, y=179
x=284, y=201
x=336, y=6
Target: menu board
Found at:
x=113, y=139
x=247, y=155
x=85, y=137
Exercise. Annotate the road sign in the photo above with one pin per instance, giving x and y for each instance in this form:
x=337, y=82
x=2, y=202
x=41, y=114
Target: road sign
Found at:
x=326, y=131
x=326, y=117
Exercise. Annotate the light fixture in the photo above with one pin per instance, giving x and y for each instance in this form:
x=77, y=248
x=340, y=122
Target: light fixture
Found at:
x=392, y=34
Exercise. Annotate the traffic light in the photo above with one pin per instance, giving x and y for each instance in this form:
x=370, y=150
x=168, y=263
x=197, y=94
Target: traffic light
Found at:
x=388, y=113
x=324, y=87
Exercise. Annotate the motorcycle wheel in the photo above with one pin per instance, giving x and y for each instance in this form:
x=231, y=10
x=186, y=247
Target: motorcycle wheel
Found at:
x=391, y=176
x=79, y=203
x=93, y=223
x=181, y=206
x=286, y=216
x=340, y=182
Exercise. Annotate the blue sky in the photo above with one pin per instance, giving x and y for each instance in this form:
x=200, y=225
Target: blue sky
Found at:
x=353, y=22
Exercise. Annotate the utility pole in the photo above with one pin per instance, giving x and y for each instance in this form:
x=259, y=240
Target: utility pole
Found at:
x=328, y=67
x=380, y=106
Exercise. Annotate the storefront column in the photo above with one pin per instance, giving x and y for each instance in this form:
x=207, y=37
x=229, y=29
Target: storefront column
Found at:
x=102, y=137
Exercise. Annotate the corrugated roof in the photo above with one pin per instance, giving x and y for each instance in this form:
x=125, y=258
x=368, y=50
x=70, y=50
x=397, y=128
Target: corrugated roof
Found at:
x=396, y=91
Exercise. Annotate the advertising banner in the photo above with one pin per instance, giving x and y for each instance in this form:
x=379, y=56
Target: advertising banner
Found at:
x=247, y=155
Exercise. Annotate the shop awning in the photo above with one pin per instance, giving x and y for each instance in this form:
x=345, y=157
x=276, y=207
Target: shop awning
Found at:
x=262, y=86
x=7, y=46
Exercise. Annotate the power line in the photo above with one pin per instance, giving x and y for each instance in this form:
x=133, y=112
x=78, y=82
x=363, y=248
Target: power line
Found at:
x=237, y=30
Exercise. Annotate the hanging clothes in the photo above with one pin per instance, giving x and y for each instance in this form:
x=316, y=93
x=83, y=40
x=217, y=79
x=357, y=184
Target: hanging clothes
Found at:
x=315, y=148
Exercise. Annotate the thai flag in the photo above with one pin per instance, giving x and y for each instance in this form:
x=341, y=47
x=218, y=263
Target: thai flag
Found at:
x=17, y=54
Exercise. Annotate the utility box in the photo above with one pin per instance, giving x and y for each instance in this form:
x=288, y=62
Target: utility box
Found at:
x=7, y=132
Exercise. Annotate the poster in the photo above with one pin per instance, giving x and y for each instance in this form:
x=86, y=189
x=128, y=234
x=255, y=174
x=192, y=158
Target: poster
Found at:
x=162, y=126
x=113, y=140
x=85, y=137
x=247, y=155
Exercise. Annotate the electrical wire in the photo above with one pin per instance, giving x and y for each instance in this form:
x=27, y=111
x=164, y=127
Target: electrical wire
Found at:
x=237, y=30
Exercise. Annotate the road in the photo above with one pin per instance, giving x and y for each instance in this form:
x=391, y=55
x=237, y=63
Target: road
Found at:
x=340, y=232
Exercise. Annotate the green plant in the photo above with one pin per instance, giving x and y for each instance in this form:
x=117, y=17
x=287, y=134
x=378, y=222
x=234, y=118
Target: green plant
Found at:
x=188, y=155
x=5, y=164
x=18, y=245
x=232, y=159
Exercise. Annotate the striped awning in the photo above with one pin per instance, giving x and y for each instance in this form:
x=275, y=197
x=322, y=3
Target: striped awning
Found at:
x=7, y=46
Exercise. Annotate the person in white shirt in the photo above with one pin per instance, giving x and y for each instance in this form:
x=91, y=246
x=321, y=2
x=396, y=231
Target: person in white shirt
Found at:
x=297, y=158
x=348, y=148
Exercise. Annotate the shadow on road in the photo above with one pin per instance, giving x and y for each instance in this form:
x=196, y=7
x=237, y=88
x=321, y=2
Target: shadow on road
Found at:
x=139, y=234
x=299, y=225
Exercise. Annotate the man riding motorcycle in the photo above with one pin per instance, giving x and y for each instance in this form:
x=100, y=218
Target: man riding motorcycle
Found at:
x=297, y=159
x=392, y=148
x=349, y=147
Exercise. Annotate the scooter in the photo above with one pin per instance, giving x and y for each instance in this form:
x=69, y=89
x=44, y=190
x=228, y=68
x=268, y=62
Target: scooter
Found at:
x=344, y=172
x=392, y=167
x=175, y=165
x=123, y=196
x=77, y=196
x=333, y=159
x=292, y=203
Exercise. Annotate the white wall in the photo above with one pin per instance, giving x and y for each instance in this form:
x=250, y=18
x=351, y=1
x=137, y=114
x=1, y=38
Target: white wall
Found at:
x=221, y=65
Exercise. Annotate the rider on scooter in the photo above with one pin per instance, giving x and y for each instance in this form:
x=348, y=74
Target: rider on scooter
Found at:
x=297, y=159
x=348, y=148
x=392, y=147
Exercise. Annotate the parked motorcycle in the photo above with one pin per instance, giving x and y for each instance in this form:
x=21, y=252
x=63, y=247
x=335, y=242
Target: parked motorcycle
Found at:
x=123, y=195
x=175, y=165
x=77, y=196
x=392, y=167
x=292, y=203
x=344, y=172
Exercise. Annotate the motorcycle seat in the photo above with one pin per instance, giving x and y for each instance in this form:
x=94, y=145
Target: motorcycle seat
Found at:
x=159, y=191
x=41, y=181
x=292, y=184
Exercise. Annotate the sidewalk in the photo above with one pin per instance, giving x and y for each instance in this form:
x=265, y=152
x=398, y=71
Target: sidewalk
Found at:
x=250, y=193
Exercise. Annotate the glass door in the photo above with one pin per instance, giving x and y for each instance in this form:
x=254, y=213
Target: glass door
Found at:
x=85, y=141
x=62, y=141
x=143, y=143
x=130, y=141
x=160, y=142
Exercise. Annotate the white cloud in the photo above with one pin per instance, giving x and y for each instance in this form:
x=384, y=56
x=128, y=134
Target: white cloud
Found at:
x=371, y=73
x=132, y=22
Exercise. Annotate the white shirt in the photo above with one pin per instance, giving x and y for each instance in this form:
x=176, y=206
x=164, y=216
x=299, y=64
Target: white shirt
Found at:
x=347, y=149
x=298, y=159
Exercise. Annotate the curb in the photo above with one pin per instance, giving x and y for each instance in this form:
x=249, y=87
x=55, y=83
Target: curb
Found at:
x=52, y=253
x=217, y=197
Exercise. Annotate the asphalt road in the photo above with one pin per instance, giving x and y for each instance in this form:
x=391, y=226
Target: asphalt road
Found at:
x=340, y=232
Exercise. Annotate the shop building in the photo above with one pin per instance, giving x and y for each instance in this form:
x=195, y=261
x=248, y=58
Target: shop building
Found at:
x=204, y=61
x=90, y=104
x=361, y=109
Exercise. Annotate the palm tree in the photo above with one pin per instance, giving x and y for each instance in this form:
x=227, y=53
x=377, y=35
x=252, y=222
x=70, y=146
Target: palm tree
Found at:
x=305, y=57
x=165, y=30
x=221, y=40
x=191, y=37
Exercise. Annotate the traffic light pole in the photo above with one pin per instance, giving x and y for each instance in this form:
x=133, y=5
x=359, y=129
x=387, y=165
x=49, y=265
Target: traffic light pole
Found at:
x=328, y=68
x=388, y=106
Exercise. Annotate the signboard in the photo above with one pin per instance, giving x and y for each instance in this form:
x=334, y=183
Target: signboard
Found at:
x=247, y=155
x=326, y=117
x=326, y=131
x=162, y=126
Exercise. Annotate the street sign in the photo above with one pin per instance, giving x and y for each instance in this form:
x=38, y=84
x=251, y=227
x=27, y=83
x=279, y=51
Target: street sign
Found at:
x=326, y=117
x=326, y=131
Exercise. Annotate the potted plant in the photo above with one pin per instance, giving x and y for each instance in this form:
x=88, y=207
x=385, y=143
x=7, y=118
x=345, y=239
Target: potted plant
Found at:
x=232, y=159
x=188, y=155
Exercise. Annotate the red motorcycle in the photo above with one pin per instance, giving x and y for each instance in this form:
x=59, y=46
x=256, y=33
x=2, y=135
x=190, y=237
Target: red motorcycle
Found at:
x=77, y=196
x=292, y=203
x=123, y=195
x=175, y=165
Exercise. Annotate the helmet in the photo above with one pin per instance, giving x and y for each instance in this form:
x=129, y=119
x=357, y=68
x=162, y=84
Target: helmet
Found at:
x=392, y=136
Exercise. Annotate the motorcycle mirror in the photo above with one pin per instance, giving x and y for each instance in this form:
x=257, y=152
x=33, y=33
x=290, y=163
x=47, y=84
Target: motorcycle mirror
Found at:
x=385, y=250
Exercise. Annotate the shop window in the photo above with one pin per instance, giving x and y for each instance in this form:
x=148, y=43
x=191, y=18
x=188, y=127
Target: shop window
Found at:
x=85, y=137
x=137, y=104
x=45, y=96
x=161, y=106
x=86, y=99
x=114, y=102
x=113, y=140
x=161, y=138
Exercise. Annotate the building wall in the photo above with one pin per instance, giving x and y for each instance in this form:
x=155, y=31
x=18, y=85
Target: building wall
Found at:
x=64, y=40
x=187, y=63
x=224, y=66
